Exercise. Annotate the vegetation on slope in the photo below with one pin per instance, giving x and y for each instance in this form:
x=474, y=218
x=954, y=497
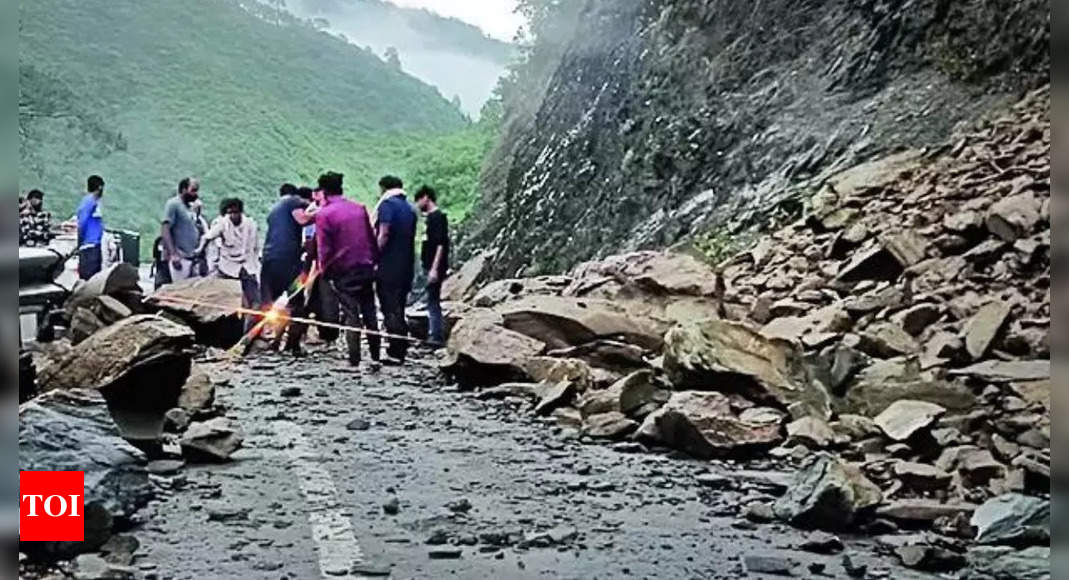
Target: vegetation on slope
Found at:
x=145, y=92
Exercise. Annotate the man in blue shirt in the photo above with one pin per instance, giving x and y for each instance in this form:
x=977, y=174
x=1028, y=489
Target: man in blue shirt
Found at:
x=396, y=225
x=91, y=229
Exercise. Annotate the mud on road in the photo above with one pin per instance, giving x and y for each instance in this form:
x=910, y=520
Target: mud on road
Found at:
x=394, y=473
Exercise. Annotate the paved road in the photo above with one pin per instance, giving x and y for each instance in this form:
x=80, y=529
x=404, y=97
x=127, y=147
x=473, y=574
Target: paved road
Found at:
x=306, y=498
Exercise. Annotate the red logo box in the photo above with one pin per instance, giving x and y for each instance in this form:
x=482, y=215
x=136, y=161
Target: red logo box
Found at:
x=51, y=506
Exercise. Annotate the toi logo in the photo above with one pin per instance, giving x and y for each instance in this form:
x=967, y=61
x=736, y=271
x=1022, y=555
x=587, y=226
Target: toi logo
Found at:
x=51, y=506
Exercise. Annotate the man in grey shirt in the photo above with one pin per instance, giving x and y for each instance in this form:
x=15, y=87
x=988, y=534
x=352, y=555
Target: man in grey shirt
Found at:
x=180, y=234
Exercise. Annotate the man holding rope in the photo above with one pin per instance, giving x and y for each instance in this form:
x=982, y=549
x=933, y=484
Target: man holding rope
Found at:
x=347, y=253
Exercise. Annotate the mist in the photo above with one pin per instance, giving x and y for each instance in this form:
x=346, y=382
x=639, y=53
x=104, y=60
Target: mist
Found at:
x=457, y=58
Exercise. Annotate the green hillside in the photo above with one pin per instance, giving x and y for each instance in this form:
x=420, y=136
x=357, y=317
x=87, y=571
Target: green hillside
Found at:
x=145, y=92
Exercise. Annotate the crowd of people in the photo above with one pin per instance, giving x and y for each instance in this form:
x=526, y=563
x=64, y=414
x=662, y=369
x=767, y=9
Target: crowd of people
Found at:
x=365, y=260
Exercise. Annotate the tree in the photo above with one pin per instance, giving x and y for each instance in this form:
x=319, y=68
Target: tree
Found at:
x=457, y=102
x=393, y=58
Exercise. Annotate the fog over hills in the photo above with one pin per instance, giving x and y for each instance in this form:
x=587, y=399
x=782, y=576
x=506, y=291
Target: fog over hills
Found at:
x=458, y=58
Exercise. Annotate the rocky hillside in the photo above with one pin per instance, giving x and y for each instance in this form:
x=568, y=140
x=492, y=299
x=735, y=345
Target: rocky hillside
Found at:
x=641, y=124
x=892, y=344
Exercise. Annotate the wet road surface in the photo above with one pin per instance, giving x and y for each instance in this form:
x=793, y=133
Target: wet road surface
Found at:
x=347, y=475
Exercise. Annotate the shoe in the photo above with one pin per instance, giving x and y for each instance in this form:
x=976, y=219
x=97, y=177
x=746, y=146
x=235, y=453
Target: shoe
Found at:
x=393, y=362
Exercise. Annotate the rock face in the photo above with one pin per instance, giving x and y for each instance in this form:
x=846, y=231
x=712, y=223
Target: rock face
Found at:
x=695, y=167
x=139, y=364
x=71, y=430
x=704, y=425
x=210, y=306
x=730, y=357
x=829, y=494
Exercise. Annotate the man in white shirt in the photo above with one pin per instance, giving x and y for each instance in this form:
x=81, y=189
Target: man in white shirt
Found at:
x=239, y=252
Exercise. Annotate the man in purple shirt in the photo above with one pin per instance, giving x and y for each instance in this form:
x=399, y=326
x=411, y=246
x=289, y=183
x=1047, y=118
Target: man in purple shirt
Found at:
x=347, y=252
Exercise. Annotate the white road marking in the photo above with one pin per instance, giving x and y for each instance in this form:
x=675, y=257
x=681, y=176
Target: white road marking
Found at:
x=333, y=533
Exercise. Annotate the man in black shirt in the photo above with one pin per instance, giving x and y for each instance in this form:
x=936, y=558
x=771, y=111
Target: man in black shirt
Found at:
x=435, y=258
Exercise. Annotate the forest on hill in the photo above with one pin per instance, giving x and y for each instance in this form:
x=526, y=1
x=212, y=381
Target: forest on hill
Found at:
x=145, y=92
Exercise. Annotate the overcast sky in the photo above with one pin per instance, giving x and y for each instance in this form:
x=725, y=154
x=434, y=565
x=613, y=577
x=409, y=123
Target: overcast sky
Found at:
x=496, y=17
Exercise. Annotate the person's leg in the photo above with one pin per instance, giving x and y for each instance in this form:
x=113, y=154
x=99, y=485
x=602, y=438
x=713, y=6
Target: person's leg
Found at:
x=347, y=299
x=435, y=323
x=327, y=311
x=387, y=294
x=366, y=299
x=250, y=298
x=90, y=262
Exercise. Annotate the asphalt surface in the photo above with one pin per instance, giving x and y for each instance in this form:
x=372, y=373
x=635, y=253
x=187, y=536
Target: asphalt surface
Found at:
x=482, y=489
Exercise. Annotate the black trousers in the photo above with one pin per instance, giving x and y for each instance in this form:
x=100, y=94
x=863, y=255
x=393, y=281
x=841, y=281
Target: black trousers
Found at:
x=90, y=262
x=355, y=290
x=393, y=297
x=276, y=277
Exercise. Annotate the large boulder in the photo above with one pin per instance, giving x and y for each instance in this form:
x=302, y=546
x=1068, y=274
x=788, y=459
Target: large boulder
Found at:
x=628, y=396
x=829, y=494
x=482, y=352
x=562, y=322
x=139, y=364
x=878, y=386
x=1004, y=563
x=71, y=430
x=95, y=314
x=461, y=285
x=1013, y=519
x=501, y=291
x=120, y=281
x=706, y=426
x=210, y=306
x=656, y=273
x=727, y=356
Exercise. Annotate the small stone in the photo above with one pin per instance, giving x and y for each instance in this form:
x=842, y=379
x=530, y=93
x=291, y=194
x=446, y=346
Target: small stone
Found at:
x=811, y=432
x=392, y=506
x=921, y=477
x=773, y=565
x=460, y=506
x=758, y=512
x=358, y=425
x=438, y=538
x=822, y=543
x=817, y=568
x=290, y=392
x=854, y=567
x=917, y=319
x=930, y=558
x=445, y=554
x=985, y=326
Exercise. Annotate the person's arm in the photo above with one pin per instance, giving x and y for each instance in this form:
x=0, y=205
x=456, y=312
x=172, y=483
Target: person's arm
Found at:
x=305, y=215
x=435, y=276
x=323, y=243
x=385, y=217
x=170, y=252
x=213, y=233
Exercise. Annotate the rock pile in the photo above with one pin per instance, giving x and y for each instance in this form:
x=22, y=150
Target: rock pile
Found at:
x=894, y=341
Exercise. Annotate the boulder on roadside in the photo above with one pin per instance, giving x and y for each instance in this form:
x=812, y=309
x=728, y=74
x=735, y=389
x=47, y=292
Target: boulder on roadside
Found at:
x=813, y=432
x=555, y=396
x=198, y=393
x=627, y=396
x=550, y=371
x=210, y=306
x=1013, y=519
x=461, y=285
x=72, y=430
x=502, y=291
x=94, y=314
x=730, y=357
x=212, y=441
x=481, y=352
x=985, y=327
x=1004, y=563
x=704, y=425
x=829, y=494
x=120, y=281
x=654, y=273
x=563, y=322
x=139, y=364
x=610, y=355
x=613, y=426
x=881, y=384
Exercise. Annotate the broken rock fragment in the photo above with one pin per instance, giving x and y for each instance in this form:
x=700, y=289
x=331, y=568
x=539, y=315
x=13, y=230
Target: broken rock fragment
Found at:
x=829, y=495
x=903, y=419
x=985, y=327
x=212, y=441
x=704, y=425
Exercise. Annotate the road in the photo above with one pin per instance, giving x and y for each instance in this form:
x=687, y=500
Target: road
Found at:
x=478, y=484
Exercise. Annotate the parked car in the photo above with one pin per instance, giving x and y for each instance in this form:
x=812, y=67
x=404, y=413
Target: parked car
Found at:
x=41, y=298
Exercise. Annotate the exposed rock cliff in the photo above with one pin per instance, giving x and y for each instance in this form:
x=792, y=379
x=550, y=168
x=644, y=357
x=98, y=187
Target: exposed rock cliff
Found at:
x=641, y=124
